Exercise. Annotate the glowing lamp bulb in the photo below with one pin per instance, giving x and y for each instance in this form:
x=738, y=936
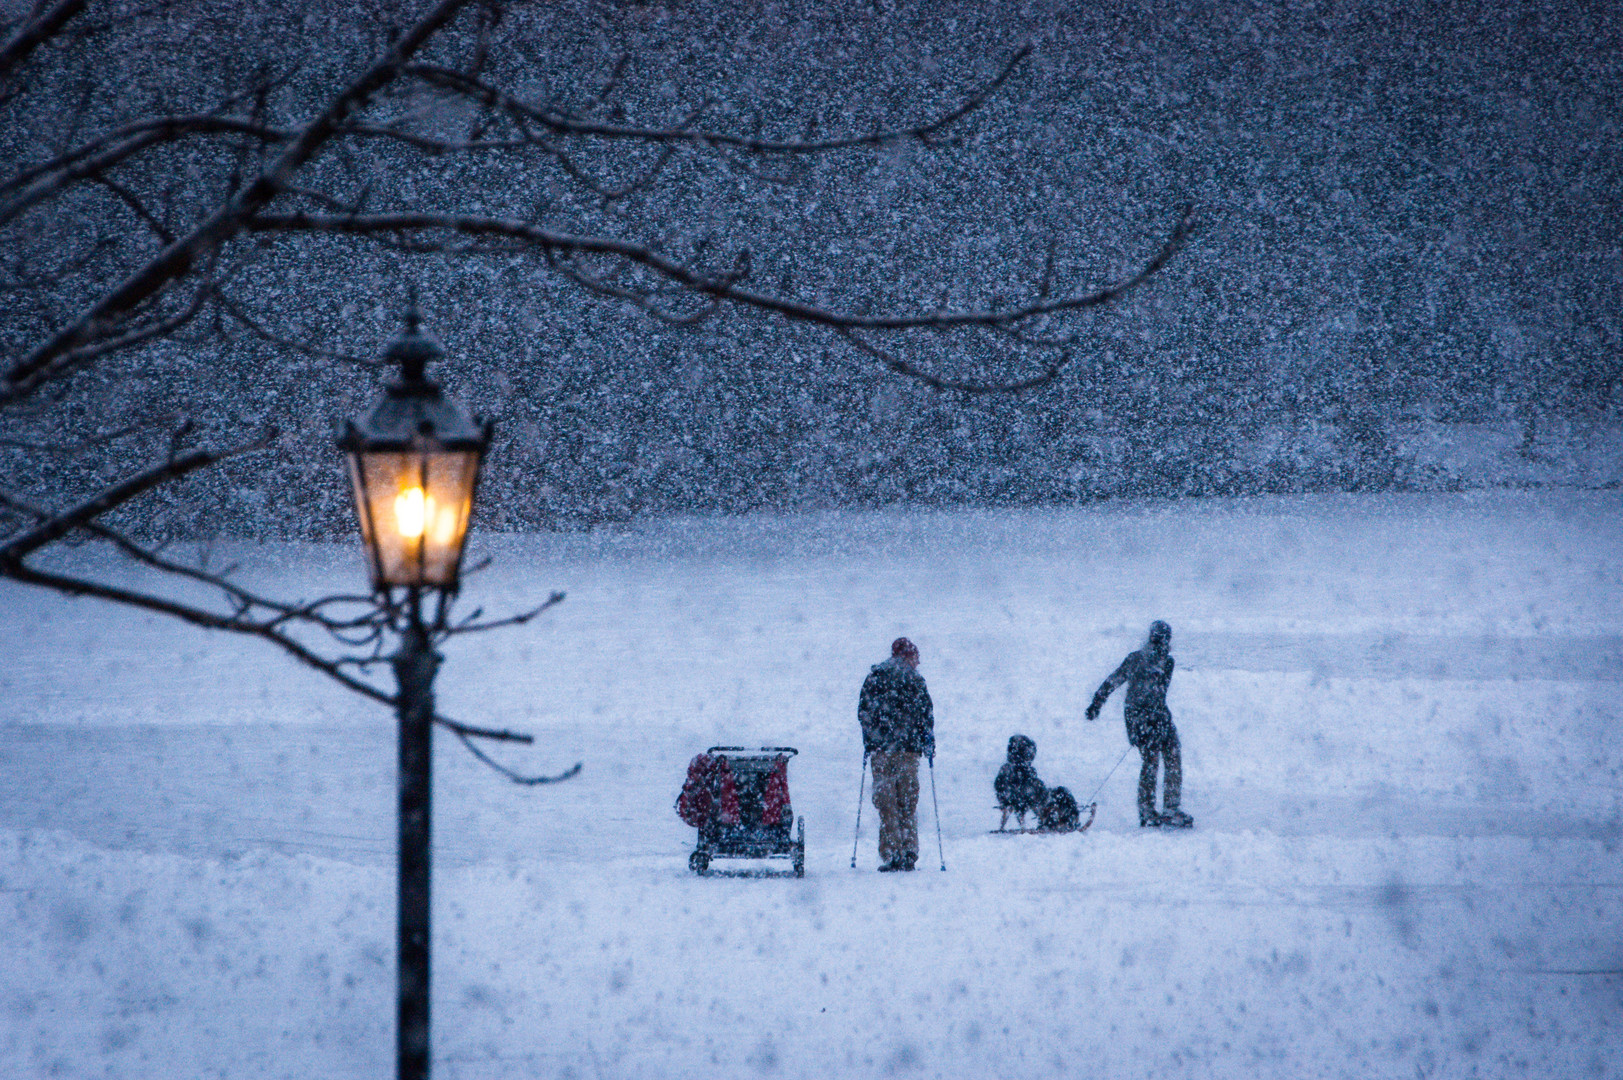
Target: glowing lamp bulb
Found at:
x=412, y=509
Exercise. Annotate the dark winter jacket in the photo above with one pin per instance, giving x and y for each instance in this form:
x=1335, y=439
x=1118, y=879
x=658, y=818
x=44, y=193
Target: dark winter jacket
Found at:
x=1146, y=673
x=895, y=710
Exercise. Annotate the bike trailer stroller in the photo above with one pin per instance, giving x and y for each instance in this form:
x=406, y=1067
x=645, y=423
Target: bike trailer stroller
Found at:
x=738, y=799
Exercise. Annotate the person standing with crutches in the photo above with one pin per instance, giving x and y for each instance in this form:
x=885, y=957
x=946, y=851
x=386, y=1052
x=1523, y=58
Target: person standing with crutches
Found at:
x=898, y=726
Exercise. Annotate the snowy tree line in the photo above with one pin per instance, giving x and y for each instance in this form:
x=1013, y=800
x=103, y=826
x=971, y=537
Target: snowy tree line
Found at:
x=1398, y=218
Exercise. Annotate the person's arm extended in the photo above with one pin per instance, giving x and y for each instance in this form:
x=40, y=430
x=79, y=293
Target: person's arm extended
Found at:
x=1107, y=688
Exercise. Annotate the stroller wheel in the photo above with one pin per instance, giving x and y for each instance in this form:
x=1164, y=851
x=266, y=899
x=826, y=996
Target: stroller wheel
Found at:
x=699, y=862
x=800, y=849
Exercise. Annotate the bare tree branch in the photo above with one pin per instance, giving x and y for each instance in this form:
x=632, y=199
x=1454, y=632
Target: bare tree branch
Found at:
x=95, y=349
x=20, y=547
x=517, y=778
x=178, y=258
x=258, y=329
x=211, y=620
x=241, y=621
x=643, y=301
x=604, y=192
x=494, y=734
x=565, y=124
x=100, y=438
x=471, y=625
x=720, y=287
x=911, y=371
x=242, y=602
x=45, y=24
x=137, y=207
x=38, y=183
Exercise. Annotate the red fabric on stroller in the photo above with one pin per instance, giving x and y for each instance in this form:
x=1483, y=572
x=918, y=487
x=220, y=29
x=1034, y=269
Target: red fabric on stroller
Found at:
x=710, y=793
x=775, y=796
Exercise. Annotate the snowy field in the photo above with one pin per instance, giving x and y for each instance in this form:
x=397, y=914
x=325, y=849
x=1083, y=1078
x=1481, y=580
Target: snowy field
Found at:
x=1402, y=749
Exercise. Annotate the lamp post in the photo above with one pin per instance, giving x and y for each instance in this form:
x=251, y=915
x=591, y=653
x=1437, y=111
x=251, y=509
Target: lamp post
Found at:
x=414, y=462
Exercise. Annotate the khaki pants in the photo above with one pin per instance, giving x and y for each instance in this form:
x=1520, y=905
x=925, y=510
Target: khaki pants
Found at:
x=896, y=797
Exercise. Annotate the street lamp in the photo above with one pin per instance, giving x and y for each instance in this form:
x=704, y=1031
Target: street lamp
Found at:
x=414, y=462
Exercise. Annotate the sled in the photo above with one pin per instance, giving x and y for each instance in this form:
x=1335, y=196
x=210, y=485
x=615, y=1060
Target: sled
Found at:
x=1091, y=810
x=738, y=799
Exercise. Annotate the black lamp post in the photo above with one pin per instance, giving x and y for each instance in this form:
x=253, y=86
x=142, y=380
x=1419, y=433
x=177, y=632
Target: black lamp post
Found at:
x=415, y=464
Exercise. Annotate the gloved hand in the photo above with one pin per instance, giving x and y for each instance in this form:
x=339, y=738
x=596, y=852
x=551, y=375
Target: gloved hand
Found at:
x=1093, y=711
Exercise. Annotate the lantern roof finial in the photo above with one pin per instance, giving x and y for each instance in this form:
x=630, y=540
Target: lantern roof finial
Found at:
x=414, y=412
x=413, y=349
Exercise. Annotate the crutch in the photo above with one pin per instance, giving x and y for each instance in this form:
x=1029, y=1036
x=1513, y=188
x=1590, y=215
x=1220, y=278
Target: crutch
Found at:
x=858, y=833
x=939, y=849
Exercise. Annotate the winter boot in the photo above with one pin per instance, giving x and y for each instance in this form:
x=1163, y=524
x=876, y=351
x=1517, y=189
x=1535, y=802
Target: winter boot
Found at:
x=1149, y=819
x=1177, y=819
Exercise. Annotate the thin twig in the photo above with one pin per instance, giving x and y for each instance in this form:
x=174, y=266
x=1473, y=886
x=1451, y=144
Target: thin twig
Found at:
x=41, y=182
x=494, y=734
x=722, y=288
x=227, y=220
x=20, y=547
x=517, y=778
x=564, y=124
x=45, y=24
x=95, y=349
x=260, y=331
x=138, y=207
x=101, y=438
x=211, y=620
x=912, y=371
x=471, y=627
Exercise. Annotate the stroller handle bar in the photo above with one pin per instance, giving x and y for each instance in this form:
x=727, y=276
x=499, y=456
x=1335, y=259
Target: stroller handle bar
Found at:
x=753, y=749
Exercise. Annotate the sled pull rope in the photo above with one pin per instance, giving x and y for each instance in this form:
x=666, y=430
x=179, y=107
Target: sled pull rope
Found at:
x=1108, y=775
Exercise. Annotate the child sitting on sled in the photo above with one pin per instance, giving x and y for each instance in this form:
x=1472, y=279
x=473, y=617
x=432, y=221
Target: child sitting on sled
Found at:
x=1019, y=792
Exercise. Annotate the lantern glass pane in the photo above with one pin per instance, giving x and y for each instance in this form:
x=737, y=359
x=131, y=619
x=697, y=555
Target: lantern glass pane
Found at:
x=414, y=508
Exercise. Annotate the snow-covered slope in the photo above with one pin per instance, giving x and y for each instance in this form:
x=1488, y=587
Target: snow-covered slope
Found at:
x=1402, y=749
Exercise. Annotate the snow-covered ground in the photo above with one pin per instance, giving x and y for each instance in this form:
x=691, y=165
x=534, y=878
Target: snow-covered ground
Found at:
x=1402, y=748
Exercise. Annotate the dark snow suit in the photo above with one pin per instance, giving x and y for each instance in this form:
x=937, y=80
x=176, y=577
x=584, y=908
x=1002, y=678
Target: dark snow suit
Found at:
x=898, y=724
x=1017, y=786
x=1149, y=724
